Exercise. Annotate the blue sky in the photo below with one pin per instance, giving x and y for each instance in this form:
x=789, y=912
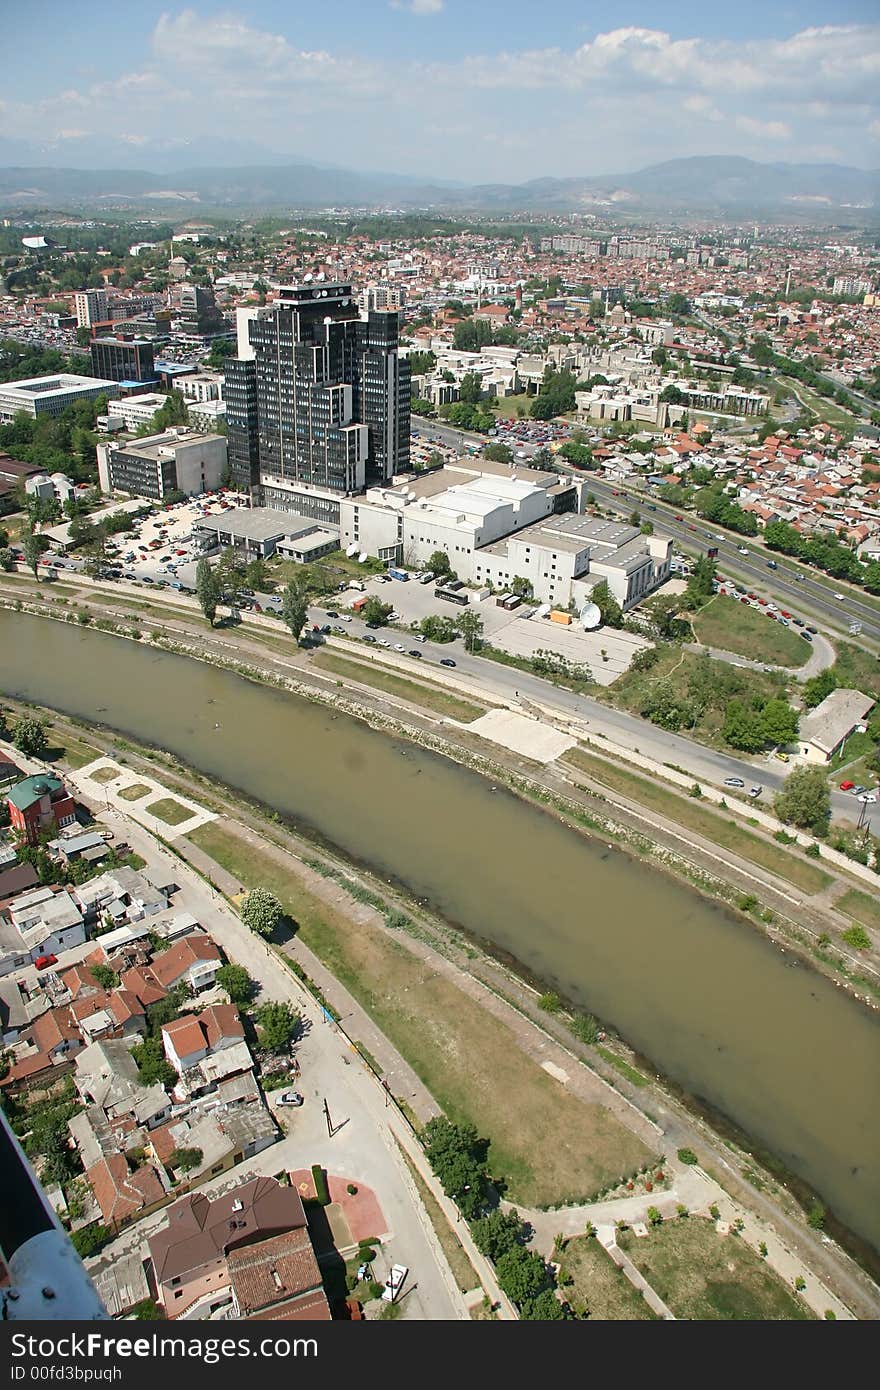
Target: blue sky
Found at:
x=481, y=90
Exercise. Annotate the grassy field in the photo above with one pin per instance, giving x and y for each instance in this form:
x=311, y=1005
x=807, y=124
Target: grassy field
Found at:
x=857, y=669
x=440, y=701
x=736, y=627
x=703, y=1276
x=135, y=792
x=693, y=814
x=169, y=810
x=505, y=407
x=600, y=1288
x=549, y=1146
x=829, y=412
x=862, y=906
x=712, y=682
x=76, y=752
x=463, y=1271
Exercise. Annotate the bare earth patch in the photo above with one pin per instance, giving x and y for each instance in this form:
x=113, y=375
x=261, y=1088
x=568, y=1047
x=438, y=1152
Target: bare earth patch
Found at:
x=136, y=792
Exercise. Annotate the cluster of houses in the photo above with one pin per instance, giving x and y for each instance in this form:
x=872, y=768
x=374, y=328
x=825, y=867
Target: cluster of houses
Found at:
x=143, y=1134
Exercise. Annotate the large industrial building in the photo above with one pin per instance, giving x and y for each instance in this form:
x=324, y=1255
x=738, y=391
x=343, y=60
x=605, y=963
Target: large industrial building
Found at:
x=178, y=460
x=49, y=395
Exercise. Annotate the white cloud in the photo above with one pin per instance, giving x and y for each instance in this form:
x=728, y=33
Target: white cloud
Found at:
x=764, y=130
x=418, y=6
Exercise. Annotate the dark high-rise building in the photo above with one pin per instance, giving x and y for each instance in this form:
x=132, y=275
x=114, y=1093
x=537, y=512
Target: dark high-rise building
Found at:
x=199, y=316
x=332, y=398
x=123, y=358
x=242, y=435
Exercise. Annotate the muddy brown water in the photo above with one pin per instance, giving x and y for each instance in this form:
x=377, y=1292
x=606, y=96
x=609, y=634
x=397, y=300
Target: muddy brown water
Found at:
x=724, y=1014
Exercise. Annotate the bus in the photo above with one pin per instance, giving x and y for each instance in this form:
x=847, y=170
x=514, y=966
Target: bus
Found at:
x=453, y=596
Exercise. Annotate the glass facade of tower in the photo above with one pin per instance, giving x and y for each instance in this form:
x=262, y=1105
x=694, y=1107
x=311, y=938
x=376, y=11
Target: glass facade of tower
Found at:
x=331, y=394
x=242, y=436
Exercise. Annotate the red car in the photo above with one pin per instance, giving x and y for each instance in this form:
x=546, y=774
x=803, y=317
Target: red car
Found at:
x=43, y=962
x=679, y=518
x=180, y=552
x=784, y=614
x=847, y=786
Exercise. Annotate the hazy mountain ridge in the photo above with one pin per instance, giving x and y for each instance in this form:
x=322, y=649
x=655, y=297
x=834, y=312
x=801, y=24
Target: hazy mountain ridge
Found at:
x=711, y=184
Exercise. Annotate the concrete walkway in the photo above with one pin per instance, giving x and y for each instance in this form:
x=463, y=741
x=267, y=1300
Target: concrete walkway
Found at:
x=109, y=790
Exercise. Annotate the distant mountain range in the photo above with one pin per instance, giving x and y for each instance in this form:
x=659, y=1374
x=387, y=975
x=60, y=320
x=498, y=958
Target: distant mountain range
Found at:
x=715, y=185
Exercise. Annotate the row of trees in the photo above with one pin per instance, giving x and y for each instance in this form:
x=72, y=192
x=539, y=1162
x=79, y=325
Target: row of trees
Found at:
x=459, y=1158
x=825, y=553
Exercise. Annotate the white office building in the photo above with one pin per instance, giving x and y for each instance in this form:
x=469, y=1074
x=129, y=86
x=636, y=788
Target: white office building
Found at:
x=49, y=395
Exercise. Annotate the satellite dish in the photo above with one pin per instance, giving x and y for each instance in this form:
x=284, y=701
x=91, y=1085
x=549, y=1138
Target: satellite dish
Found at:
x=591, y=616
x=351, y=550
x=363, y=557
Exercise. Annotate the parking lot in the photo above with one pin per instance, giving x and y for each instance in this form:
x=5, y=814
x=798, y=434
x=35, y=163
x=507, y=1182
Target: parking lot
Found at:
x=512, y=631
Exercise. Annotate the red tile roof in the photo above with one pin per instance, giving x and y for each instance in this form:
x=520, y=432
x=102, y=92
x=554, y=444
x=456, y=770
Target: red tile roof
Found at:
x=119, y=1193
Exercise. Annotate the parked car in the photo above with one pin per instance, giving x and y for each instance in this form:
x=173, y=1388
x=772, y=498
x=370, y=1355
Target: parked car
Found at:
x=383, y=642
x=291, y=1098
x=367, y=638
x=416, y=652
x=399, y=647
x=43, y=962
x=858, y=791
x=783, y=757
x=734, y=782
x=394, y=1282
x=446, y=661
x=332, y=613
x=755, y=791
x=847, y=786
x=868, y=797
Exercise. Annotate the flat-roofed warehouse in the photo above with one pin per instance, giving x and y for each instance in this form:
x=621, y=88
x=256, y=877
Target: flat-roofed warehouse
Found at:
x=260, y=531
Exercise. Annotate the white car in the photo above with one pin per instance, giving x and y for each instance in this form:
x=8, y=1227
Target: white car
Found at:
x=734, y=782
x=399, y=647
x=839, y=598
x=345, y=617
x=742, y=550
x=394, y=1282
x=382, y=642
x=868, y=797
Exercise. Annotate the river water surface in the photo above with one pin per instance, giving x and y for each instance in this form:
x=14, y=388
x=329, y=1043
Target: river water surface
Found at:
x=780, y=1050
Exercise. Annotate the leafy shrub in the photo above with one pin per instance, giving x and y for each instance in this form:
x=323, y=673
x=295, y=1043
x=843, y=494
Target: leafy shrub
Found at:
x=319, y=1178
x=687, y=1156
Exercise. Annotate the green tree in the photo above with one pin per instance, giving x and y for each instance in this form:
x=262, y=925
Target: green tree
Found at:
x=439, y=564
x=612, y=613
x=184, y=1160
x=294, y=610
x=522, y=1274
x=278, y=1024
x=152, y=1064
x=743, y=727
x=208, y=586
x=458, y=1158
x=7, y=561
x=375, y=612
x=470, y=625
x=660, y=356
x=780, y=722
x=817, y=687
x=237, y=982
x=805, y=800
x=546, y=1307
x=578, y=455
x=701, y=584
x=33, y=548
x=498, y=453
x=105, y=976
x=29, y=736
x=437, y=628
x=497, y=1233
x=872, y=577
x=261, y=911
x=470, y=388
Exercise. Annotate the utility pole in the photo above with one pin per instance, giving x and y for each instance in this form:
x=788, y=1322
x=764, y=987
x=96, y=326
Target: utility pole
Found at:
x=327, y=1118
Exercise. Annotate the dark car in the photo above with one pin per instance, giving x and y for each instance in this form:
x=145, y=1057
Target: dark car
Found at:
x=446, y=661
x=332, y=613
x=416, y=652
x=368, y=638
x=814, y=630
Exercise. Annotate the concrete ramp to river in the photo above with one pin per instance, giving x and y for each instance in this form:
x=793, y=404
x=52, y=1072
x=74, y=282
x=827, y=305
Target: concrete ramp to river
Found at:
x=530, y=737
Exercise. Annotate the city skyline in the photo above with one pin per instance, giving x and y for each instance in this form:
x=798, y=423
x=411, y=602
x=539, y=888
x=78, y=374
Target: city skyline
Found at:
x=442, y=92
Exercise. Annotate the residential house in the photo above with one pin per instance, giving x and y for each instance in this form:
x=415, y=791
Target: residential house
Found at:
x=193, y=961
x=193, y=1037
x=122, y=1193
x=826, y=728
x=39, y=803
x=43, y=921
x=228, y=1247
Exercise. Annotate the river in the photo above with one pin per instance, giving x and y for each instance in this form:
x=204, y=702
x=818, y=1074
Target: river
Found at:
x=778, y=1048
